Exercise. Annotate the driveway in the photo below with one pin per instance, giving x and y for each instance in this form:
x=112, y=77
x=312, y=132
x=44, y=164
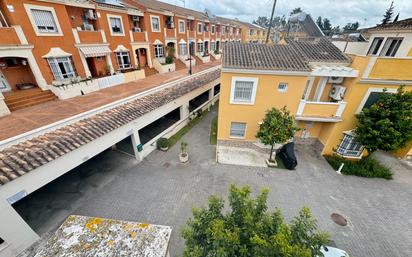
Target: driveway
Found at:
x=160, y=190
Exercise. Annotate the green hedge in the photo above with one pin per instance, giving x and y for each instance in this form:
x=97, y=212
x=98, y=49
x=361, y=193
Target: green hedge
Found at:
x=366, y=167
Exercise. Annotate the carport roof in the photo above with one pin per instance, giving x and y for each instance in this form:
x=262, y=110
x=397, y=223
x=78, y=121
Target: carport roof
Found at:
x=17, y=160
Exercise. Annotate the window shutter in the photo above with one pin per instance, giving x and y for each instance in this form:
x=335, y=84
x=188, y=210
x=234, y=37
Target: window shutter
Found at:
x=44, y=20
x=243, y=91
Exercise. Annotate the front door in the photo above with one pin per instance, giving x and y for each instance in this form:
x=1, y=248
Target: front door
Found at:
x=142, y=57
x=4, y=85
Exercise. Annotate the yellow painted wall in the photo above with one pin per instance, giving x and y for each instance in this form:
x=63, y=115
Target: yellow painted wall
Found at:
x=392, y=68
x=405, y=151
x=354, y=95
x=267, y=96
x=410, y=52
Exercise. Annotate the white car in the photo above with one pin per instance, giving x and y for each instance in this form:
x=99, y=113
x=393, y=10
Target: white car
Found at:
x=329, y=251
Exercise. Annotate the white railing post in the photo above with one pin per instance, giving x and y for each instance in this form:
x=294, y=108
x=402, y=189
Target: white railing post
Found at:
x=341, y=108
x=301, y=108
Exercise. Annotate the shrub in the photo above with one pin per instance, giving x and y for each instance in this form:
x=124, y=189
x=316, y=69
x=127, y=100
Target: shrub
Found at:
x=367, y=167
x=169, y=59
x=183, y=148
x=217, y=51
x=162, y=143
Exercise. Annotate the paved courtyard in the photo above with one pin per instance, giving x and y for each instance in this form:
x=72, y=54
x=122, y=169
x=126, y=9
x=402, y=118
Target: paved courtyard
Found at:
x=160, y=190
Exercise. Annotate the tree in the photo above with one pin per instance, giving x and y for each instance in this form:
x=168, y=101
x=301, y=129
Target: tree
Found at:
x=262, y=21
x=249, y=229
x=387, y=124
x=327, y=26
x=319, y=22
x=336, y=30
x=387, y=17
x=351, y=27
x=296, y=10
x=278, y=126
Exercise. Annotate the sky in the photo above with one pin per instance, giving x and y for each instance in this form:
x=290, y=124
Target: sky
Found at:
x=367, y=12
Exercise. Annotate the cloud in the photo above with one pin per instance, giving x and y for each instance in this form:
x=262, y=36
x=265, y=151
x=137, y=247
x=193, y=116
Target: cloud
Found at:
x=366, y=12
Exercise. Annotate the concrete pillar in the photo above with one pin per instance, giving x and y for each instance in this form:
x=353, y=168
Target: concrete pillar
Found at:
x=109, y=62
x=41, y=82
x=135, y=142
x=84, y=63
x=320, y=87
x=14, y=231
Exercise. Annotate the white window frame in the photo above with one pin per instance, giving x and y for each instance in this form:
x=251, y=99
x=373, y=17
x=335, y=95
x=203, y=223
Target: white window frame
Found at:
x=184, y=26
x=213, y=29
x=370, y=90
x=122, y=65
x=244, y=79
x=58, y=75
x=30, y=7
x=212, y=46
x=112, y=33
x=181, y=46
x=199, y=28
x=159, y=48
x=349, y=140
x=373, y=46
x=151, y=23
x=284, y=85
x=223, y=29
x=244, y=131
x=387, y=44
x=200, y=49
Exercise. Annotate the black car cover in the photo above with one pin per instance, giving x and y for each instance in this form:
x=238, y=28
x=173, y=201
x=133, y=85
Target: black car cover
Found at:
x=287, y=155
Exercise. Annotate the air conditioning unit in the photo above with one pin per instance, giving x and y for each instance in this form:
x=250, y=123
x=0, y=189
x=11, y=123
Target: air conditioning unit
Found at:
x=337, y=92
x=90, y=15
x=335, y=80
x=135, y=29
x=86, y=26
x=135, y=18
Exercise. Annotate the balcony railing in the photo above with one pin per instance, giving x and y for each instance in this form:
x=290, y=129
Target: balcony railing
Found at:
x=8, y=36
x=170, y=33
x=320, y=111
x=139, y=36
x=391, y=68
x=87, y=36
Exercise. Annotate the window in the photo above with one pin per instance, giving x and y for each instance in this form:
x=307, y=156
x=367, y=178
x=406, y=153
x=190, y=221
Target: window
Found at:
x=237, y=129
x=182, y=49
x=213, y=46
x=1, y=241
x=349, y=146
x=283, y=87
x=376, y=44
x=206, y=29
x=200, y=47
x=123, y=60
x=159, y=51
x=243, y=90
x=116, y=25
x=44, y=21
x=391, y=46
x=251, y=32
x=213, y=29
x=199, y=28
x=62, y=68
x=155, y=23
x=223, y=30
x=181, y=26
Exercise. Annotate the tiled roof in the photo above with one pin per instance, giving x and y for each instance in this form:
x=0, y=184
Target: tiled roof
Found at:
x=398, y=25
x=319, y=50
x=17, y=160
x=293, y=56
x=263, y=57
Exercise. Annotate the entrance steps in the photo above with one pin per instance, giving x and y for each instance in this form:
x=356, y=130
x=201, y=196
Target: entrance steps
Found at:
x=180, y=65
x=22, y=99
x=150, y=71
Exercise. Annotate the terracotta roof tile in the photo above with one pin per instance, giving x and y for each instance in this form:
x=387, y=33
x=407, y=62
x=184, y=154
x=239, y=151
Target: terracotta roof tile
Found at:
x=17, y=160
x=405, y=24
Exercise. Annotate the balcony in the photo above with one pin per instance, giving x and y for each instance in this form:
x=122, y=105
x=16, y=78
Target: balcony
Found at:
x=90, y=37
x=391, y=68
x=8, y=36
x=139, y=36
x=320, y=111
x=170, y=33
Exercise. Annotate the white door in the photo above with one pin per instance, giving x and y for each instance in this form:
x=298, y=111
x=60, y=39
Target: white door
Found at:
x=4, y=85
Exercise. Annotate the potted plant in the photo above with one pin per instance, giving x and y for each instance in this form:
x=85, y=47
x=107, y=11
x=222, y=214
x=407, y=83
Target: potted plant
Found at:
x=163, y=144
x=183, y=156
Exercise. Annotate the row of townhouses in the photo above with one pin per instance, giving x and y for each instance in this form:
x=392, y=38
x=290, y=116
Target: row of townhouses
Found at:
x=67, y=48
x=322, y=84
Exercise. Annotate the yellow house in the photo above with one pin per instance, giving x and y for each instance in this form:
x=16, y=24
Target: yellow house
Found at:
x=322, y=87
x=252, y=33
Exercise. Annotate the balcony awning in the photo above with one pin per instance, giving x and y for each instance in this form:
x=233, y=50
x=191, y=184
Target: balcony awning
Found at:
x=200, y=41
x=182, y=41
x=95, y=51
x=334, y=71
x=121, y=48
x=157, y=42
x=56, y=52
